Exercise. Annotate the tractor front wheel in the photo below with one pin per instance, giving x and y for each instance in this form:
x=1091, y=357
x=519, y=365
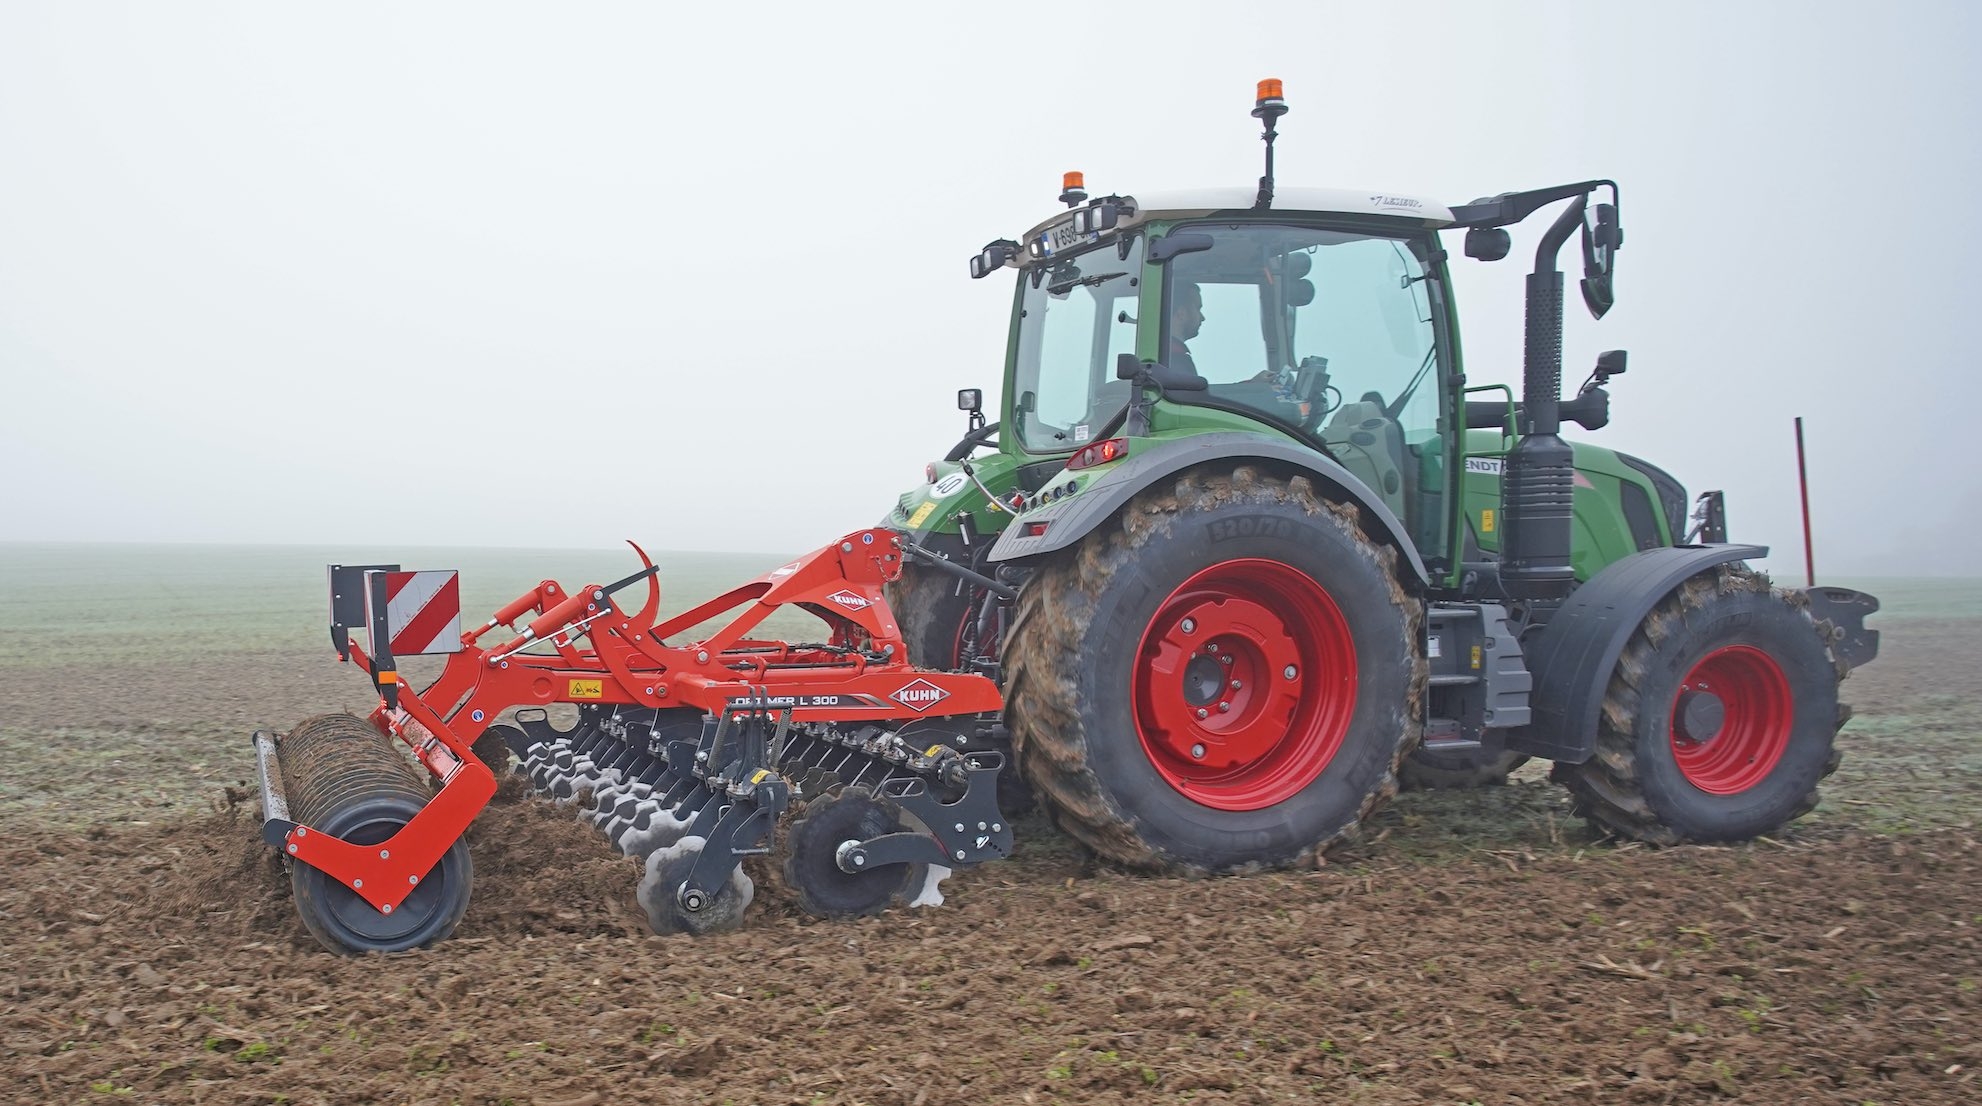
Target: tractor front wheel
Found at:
x=1223, y=678
x=1719, y=722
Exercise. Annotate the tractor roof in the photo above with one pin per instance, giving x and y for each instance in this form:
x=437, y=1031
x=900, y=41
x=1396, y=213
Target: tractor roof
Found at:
x=1191, y=202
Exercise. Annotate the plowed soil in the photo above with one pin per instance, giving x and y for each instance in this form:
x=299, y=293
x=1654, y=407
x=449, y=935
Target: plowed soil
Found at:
x=1476, y=947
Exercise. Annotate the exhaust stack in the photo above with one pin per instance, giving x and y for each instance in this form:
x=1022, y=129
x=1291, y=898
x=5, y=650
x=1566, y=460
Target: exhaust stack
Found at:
x=1537, y=491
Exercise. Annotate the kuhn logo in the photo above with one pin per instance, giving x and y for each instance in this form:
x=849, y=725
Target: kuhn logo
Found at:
x=920, y=696
x=851, y=600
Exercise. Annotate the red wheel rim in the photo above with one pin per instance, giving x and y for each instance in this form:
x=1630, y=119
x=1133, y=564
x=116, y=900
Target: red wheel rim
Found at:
x=1244, y=684
x=1755, y=713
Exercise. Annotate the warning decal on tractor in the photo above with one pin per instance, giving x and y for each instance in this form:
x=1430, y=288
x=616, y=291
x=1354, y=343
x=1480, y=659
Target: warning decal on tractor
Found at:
x=1486, y=520
x=586, y=689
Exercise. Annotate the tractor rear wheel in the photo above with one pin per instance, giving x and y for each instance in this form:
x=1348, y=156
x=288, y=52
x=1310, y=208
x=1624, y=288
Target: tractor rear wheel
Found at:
x=1720, y=719
x=1221, y=679
x=1425, y=768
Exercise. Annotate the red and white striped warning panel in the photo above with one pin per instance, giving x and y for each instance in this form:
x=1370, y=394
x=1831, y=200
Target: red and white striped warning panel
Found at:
x=422, y=611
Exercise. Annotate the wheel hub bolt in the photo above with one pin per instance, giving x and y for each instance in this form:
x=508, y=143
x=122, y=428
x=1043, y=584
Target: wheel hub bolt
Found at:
x=1211, y=647
x=1189, y=626
x=1197, y=751
x=1290, y=672
x=1202, y=713
x=1224, y=708
x=1236, y=685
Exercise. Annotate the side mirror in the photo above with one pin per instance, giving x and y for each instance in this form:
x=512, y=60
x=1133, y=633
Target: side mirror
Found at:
x=1126, y=366
x=970, y=399
x=992, y=258
x=1610, y=363
x=1171, y=245
x=1600, y=245
x=1487, y=243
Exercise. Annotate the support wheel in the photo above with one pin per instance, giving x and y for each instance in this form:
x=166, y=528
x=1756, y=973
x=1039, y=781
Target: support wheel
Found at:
x=1720, y=718
x=812, y=861
x=1425, y=768
x=343, y=922
x=720, y=910
x=1223, y=678
x=347, y=779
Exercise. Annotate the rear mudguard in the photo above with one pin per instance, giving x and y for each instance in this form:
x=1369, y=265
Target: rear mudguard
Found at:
x=1573, y=658
x=1069, y=520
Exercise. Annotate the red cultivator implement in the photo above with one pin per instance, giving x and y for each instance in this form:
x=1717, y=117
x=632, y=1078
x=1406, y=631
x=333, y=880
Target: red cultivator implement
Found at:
x=688, y=752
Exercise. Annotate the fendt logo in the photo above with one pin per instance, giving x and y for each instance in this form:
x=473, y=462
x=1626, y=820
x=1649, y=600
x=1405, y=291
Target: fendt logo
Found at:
x=851, y=600
x=920, y=696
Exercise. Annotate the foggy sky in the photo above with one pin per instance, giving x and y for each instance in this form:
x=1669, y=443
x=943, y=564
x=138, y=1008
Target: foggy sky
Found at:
x=558, y=275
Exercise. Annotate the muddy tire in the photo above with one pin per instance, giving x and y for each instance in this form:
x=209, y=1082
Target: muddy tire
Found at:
x=930, y=609
x=1720, y=719
x=1245, y=597
x=1427, y=769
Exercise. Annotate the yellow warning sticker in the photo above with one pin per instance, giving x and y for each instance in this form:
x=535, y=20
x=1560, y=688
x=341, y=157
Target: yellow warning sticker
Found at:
x=1486, y=520
x=760, y=775
x=586, y=689
x=1476, y=656
x=933, y=750
x=922, y=514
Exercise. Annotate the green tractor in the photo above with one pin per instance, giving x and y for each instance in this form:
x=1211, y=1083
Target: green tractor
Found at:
x=1245, y=545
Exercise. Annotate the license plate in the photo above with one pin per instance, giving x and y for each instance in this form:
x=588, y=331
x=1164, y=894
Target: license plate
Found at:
x=1064, y=237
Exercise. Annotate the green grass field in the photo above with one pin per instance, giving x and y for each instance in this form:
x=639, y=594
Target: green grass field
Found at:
x=114, y=603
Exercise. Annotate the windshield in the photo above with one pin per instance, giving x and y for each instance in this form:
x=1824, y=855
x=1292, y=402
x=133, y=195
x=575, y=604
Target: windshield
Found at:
x=1296, y=322
x=1330, y=331
x=1073, y=323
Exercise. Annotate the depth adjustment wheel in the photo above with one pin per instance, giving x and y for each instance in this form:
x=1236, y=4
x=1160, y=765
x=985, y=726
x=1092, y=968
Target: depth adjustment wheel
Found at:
x=345, y=778
x=819, y=849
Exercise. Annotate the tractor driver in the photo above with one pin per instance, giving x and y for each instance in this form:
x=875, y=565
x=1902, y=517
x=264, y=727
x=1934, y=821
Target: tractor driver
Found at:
x=1186, y=319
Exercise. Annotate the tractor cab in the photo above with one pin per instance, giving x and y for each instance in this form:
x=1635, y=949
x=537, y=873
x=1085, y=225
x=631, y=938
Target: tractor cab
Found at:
x=1320, y=320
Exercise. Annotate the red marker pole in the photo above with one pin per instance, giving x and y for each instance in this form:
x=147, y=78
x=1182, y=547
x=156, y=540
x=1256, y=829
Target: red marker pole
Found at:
x=1803, y=488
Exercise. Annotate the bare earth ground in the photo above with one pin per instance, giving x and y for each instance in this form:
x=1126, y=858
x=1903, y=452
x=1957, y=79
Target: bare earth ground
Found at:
x=1477, y=948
